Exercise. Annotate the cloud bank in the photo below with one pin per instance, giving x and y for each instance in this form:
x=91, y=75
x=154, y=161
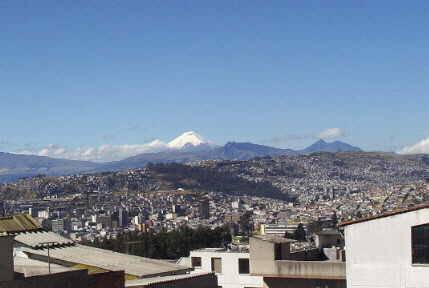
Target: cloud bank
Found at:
x=330, y=133
x=101, y=153
x=421, y=147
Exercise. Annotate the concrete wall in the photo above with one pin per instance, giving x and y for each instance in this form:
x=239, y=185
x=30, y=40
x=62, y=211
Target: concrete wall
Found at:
x=230, y=277
x=70, y=279
x=307, y=255
x=303, y=283
x=378, y=252
x=112, y=279
x=263, y=263
x=262, y=255
x=309, y=269
x=204, y=281
x=6, y=258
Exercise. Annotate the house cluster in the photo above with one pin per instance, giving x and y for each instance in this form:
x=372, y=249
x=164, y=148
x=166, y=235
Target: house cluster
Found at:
x=388, y=250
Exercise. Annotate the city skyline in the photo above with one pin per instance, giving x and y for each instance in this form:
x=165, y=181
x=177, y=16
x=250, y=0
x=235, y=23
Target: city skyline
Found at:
x=280, y=74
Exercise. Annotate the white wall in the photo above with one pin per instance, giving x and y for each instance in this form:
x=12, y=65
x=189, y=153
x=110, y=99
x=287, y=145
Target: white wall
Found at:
x=229, y=278
x=378, y=253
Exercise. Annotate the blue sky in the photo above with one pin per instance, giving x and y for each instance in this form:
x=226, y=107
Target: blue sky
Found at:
x=90, y=73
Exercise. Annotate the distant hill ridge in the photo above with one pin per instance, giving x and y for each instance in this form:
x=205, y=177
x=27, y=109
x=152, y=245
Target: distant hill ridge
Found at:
x=189, y=147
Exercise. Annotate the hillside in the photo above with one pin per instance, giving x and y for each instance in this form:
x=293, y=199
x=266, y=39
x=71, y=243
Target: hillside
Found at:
x=285, y=177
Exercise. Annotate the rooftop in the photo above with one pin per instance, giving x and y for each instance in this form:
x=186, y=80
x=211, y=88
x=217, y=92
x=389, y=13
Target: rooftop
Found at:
x=274, y=238
x=18, y=223
x=388, y=214
x=110, y=261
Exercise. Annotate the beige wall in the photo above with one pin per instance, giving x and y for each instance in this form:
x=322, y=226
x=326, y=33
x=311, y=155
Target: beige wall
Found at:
x=262, y=262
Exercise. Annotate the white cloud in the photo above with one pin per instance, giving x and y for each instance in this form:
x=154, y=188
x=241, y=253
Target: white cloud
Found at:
x=106, y=152
x=101, y=153
x=421, y=147
x=330, y=133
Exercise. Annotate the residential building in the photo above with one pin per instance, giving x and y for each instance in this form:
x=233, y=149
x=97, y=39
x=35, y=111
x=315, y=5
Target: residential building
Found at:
x=231, y=267
x=271, y=257
x=391, y=250
x=204, y=209
x=57, y=225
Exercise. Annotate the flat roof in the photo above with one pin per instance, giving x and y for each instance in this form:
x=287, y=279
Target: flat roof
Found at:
x=274, y=238
x=387, y=214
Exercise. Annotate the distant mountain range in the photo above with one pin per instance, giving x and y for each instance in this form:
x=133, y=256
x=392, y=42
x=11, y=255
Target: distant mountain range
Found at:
x=14, y=166
x=189, y=147
x=333, y=147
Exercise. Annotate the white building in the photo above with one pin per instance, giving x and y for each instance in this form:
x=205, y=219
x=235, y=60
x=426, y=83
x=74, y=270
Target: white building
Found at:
x=391, y=250
x=231, y=267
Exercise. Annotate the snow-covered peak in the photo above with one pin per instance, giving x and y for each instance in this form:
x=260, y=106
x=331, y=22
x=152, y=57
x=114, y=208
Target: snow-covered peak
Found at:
x=187, y=139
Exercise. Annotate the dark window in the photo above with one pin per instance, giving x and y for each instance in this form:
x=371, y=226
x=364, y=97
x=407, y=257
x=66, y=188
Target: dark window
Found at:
x=420, y=244
x=217, y=265
x=278, y=251
x=196, y=261
x=243, y=266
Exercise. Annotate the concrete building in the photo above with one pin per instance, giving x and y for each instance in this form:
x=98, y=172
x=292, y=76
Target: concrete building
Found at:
x=270, y=262
x=278, y=229
x=271, y=258
x=31, y=243
x=30, y=273
x=57, y=225
x=390, y=250
x=204, y=209
x=231, y=267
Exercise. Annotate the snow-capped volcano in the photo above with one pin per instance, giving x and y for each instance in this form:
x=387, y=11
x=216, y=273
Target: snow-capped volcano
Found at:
x=188, y=139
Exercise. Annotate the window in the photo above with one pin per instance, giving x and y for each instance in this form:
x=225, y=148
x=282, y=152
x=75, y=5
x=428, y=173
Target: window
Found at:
x=243, y=266
x=196, y=262
x=217, y=265
x=278, y=251
x=420, y=244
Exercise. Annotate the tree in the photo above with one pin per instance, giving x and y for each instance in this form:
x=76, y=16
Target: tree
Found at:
x=300, y=234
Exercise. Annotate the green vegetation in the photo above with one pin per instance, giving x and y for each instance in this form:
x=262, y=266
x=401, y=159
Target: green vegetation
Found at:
x=210, y=179
x=166, y=245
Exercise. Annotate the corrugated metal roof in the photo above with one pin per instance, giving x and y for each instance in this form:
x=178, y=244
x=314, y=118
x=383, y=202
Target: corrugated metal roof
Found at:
x=111, y=261
x=18, y=223
x=30, y=267
x=38, y=239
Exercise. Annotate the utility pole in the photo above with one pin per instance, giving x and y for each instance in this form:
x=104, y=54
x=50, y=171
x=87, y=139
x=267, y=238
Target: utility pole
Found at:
x=48, y=245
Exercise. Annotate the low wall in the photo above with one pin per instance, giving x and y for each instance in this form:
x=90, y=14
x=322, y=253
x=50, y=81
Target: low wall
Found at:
x=306, y=255
x=303, y=283
x=202, y=281
x=304, y=269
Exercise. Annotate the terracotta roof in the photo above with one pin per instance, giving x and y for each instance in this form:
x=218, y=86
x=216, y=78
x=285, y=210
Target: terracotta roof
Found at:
x=387, y=214
x=18, y=223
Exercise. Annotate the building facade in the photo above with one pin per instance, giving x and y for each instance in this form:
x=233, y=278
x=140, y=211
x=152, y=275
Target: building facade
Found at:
x=231, y=267
x=391, y=250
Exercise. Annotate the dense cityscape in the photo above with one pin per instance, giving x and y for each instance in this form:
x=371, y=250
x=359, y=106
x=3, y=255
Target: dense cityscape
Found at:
x=320, y=187
x=214, y=144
